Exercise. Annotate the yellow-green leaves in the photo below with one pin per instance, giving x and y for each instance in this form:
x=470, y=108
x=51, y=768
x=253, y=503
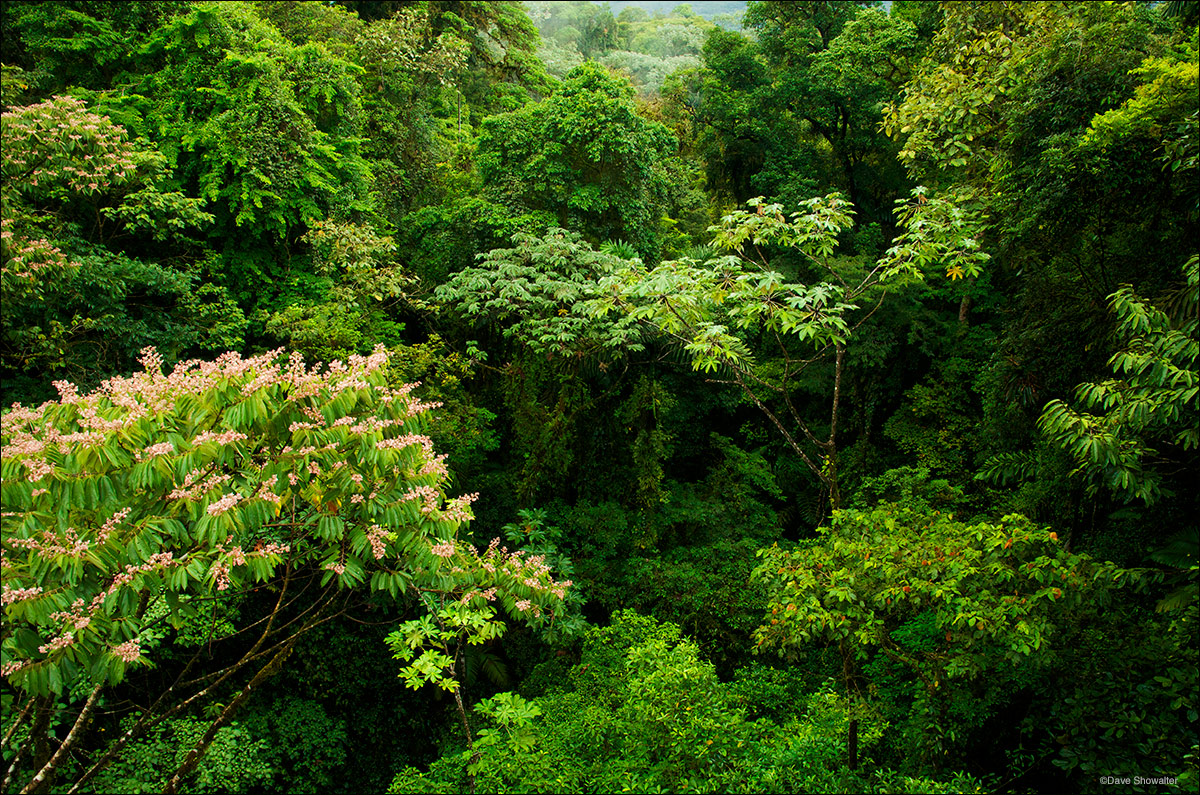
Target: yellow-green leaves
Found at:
x=993, y=590
x=1167, y=96
x=943, y=604
x=938, y=232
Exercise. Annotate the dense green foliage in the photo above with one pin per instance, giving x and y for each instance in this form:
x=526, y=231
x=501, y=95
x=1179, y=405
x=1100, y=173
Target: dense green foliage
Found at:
x=821, y=382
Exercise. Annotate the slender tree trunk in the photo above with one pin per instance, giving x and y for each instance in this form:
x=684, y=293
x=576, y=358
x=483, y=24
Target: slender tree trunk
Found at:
x=197, y=752
x=25, y=712
x=42, y=709
x=42, y=778
x=462, y=714
x=831, y=457
x=147, y=722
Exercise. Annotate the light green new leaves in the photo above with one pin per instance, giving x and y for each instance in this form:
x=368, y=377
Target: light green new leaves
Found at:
x=813, y=229
x=1168, y=95
x=515, y=733
x=436, y=639
x=703, y=305
x=937, y=232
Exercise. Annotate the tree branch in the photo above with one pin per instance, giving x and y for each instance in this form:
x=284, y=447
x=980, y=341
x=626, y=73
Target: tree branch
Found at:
x=48, y=769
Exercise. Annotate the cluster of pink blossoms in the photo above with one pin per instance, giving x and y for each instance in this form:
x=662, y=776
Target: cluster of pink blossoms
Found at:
x=304, y=383
x=266, y=490
x=32, y=449
x=377, y=537
x=49, y=545
x=228, y=437
x=12, y=595
x=192, y=486
x=227, y=559
x=129, y=651
x=435, y=465
x=456, y=510
x=151, y=391
x=60, y=642
x=223, y=504
x=37, y=469
x=25, y=258
x=79, y=616
x=10, y=668
x=162, y=448
x=121, y=402
x=416, y=407
x=220, y=574
x=431, y=463
x=159, y=560
x=361, y=426
x=429, y=496
x=532, y=571
x=400, y=442
x=111, y=524
x=459, y=508
x=489, y=595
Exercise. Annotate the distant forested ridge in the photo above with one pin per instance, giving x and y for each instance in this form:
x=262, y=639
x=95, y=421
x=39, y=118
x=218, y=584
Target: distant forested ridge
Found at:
x=707, y=9
x=457, y=396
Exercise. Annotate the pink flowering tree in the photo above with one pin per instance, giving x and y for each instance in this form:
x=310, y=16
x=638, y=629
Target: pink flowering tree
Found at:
x=52, y=151
x=129, y=509
x=61, y=162
x=56, y=151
